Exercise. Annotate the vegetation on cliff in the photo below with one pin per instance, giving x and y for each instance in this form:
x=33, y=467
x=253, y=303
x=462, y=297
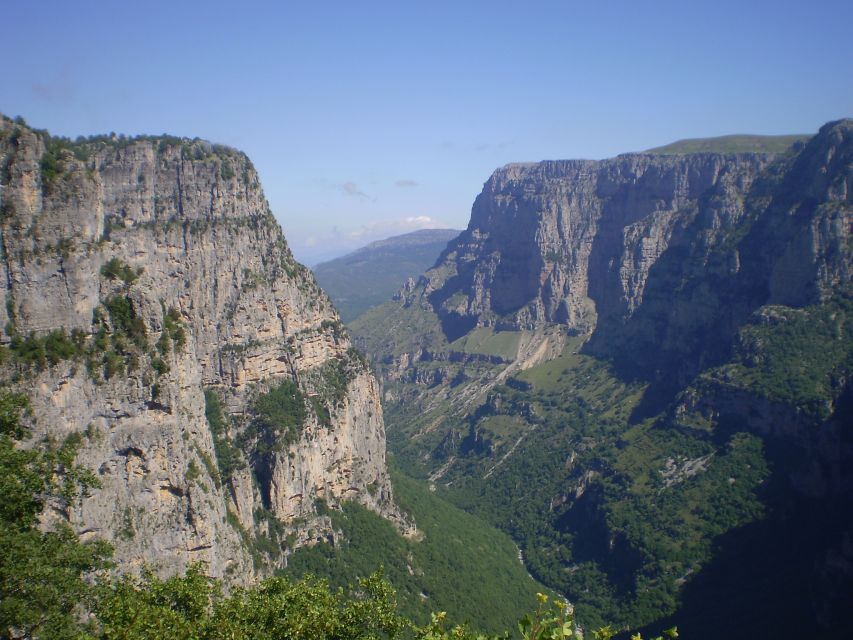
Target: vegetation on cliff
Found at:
x=42, y=585
x=457, y=563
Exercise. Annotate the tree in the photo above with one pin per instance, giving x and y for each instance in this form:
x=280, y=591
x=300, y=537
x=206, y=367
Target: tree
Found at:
x=41, y=572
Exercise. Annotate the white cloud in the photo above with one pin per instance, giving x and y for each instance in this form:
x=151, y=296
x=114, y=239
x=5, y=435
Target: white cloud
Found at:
x=379, y=229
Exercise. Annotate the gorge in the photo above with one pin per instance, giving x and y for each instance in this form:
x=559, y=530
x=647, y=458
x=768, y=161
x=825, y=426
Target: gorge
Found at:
x=637, y=369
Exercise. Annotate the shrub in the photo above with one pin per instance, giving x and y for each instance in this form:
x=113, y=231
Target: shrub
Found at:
x=228, y=458
x=174, y=327
x=279, y=414
x=125, y=321
x=116, y=269
x=160, y=366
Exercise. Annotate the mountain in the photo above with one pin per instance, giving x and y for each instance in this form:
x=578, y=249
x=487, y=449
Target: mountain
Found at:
x=157, y=323
x=640, y=368
x=371, y=275
x=155, y=316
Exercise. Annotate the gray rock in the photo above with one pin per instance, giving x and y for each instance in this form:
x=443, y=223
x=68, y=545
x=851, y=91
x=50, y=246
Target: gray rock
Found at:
x=192, y=218
x=642, y=250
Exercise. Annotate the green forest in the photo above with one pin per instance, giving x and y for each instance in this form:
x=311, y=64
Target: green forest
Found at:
x=456, y=563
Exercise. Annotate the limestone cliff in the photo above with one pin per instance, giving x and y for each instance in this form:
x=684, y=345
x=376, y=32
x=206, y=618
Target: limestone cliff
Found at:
x=144, y=281
x=568, y=241
x=656, y=256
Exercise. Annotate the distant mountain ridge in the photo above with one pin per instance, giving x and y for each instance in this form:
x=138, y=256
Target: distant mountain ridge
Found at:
x=372, y=274
x=415, y=238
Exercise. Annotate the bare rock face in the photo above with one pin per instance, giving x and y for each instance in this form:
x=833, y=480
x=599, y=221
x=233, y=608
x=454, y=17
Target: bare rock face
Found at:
x=643, y=251
x=566, y=241
x=158, y=265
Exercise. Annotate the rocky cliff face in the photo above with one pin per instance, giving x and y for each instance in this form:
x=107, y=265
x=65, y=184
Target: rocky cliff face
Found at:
x=654, y=260
x=144, y=281
x=567, y=241
x=645, y=251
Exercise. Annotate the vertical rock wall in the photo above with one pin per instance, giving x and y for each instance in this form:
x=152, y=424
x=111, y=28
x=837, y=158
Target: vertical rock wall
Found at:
x=198, y=253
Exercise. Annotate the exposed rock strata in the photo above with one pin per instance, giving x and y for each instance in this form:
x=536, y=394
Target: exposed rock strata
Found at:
x=648, y=252
x=192, y=220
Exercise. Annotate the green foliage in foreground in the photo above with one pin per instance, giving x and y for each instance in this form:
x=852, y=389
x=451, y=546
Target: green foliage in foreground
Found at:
x=41, y=582
x=192, y=607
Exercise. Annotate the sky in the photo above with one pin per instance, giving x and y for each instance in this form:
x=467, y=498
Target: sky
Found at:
x=369, y=119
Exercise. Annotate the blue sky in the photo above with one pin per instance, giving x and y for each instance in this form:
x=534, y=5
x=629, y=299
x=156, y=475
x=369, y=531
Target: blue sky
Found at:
x=367, y=119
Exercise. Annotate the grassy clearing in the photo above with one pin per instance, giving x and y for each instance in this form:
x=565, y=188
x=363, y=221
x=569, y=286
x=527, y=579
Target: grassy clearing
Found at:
x=487, y=341
x=731, y=144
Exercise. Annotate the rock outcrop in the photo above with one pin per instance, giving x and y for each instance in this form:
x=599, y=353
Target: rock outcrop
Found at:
x=657, y=256
x=157, y=270
x=568, y=241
